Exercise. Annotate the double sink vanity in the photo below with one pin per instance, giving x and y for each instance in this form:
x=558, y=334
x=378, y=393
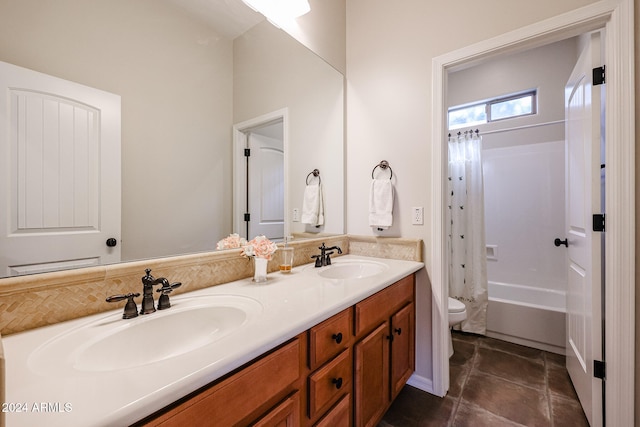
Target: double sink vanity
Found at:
x=321, y=346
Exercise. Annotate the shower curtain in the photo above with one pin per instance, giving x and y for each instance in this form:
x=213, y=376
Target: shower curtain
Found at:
x=466, y=230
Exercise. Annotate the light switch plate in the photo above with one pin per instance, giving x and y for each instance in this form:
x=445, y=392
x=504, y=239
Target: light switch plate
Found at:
x=296, y=215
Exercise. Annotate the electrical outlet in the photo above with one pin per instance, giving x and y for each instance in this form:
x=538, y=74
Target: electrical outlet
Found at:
x=296, y=215
x=417, y=215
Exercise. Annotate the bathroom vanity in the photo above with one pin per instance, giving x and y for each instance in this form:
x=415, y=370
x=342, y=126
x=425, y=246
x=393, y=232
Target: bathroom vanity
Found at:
x=323, y=346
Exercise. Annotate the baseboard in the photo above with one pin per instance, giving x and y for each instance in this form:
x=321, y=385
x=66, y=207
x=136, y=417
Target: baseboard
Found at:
x=422, y=383
x=528, y=343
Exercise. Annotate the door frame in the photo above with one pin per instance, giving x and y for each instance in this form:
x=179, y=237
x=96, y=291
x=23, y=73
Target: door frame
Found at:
x=616, y=17
x=239, y=164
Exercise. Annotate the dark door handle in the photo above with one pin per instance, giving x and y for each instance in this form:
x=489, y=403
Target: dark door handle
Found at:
x=111, y=242
x=559, y=242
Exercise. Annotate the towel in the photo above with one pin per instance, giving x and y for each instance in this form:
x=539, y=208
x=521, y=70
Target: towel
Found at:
x=313, y=205
x=381, y=204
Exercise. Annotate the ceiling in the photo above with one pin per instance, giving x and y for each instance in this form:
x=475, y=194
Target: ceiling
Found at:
x=230, y=17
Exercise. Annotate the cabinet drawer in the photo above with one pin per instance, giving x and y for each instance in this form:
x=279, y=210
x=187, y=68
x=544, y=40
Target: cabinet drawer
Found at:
x=339, y=415
x=329, y=338
x=234, y=399
x=378, y=307
x=328, y=383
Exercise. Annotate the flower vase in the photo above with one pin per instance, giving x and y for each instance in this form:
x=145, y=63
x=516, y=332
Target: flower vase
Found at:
x=260, y=269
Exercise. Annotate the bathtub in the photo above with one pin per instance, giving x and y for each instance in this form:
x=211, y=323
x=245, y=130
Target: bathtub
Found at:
x=527, y=315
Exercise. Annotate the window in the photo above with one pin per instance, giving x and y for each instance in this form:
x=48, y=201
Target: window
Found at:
x=506, y=107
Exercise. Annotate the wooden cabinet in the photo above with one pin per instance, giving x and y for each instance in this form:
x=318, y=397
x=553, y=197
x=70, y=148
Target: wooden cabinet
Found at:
x=344, y=371
x=331, y=362
x=286, y=414
x=372, y=376
x=330, y=338
x=243, y=397
x=339, y=415
x=384, y=351
x=402, y=348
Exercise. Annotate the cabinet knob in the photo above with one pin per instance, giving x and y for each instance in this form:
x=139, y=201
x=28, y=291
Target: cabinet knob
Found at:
x=111, y=242
x=337, y=337
x=337, y=382
x=398, y=331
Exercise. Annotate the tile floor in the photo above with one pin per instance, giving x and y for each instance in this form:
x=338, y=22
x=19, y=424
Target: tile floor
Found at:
x=493, y=383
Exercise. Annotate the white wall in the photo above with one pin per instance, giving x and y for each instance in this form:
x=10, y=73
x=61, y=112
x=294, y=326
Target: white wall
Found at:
x=390, y=47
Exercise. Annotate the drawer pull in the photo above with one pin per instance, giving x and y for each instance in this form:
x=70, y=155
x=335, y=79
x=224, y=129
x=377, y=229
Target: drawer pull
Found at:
x=337, y=382
x=337, y=337
x=398, y=331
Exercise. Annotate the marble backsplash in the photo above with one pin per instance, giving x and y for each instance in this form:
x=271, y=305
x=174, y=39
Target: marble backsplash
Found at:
x=28, y=302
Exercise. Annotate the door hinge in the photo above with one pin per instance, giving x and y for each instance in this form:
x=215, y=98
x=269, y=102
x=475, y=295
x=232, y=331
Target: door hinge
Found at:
x=599, y=369
x=598, y=222
x=247, y=217
x=247, y=152
x=599, y=76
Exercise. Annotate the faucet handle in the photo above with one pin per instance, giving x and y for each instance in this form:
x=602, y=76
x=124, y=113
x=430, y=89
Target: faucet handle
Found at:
x=168, y=288
x=328, y=258
x=165, y=290
x=318, y=260
x=130, y=308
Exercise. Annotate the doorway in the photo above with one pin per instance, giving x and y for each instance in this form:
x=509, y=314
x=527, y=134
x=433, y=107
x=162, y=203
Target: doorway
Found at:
x=620, y=203
x=259, y=177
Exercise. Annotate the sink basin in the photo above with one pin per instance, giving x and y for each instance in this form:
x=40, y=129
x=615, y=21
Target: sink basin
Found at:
x=112, y=343
x=352, y=269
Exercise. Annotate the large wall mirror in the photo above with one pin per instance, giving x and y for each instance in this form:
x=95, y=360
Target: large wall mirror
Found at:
x=185, y=72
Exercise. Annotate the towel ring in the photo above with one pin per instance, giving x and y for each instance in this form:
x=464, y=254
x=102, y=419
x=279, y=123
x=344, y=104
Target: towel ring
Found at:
x=315, y=173
x=382, y=165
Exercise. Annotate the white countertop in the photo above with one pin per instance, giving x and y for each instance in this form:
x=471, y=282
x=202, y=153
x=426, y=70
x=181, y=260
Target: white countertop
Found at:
x=291, y=303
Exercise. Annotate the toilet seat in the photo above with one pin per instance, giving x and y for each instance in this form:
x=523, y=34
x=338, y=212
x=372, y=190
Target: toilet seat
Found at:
x=456, y=306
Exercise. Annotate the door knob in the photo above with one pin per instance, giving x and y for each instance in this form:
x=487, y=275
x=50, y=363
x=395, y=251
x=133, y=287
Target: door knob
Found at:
x=559, y=242
x=111, y=242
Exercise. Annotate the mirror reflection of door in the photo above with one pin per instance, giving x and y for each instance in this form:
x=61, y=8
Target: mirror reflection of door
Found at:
x=265, y=182
x=60, y=147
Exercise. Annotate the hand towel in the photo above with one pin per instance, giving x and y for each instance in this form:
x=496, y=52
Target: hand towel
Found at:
x=381, y=204
x=313, y=205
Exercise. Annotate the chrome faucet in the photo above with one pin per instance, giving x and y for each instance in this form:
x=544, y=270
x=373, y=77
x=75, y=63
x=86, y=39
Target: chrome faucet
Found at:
x=324, y=259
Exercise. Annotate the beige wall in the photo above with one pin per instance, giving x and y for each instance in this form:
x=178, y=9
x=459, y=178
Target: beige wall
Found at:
x=390, y=47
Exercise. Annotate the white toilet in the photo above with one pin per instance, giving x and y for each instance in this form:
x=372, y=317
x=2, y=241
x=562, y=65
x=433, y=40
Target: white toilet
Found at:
x=457, y=313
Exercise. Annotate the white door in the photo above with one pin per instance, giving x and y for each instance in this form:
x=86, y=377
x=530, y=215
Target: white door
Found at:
x=266, y=185
x=584, y=316
x=60, y=187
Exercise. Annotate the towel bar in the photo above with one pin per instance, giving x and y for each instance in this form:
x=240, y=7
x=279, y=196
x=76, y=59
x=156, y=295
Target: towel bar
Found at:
x=382, y=165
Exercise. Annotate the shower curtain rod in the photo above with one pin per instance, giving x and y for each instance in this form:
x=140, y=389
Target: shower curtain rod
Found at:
x=523, y=127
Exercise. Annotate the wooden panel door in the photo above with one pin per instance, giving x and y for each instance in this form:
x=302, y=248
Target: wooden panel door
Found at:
x=584, y=315
x=402, y=348
x=372, y=376
x=60, y=186
x=266, y=186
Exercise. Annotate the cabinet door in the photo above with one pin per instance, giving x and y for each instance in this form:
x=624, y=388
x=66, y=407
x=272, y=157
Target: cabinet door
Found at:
x=286, y=414
x=402, y=348
x=339, y=415
x=372, y=376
